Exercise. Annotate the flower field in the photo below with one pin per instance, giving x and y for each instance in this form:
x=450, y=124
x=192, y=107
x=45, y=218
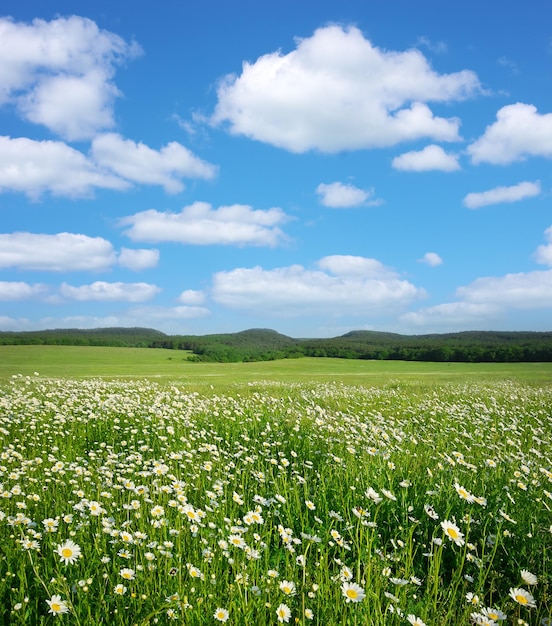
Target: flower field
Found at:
x=139, y=502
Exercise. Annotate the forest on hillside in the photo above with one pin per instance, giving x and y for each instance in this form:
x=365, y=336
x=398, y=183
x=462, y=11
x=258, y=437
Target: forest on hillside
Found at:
x=265, y=344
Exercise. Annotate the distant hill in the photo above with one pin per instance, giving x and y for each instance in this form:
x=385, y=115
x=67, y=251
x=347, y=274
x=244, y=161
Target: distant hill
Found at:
x=124, y=337
x=258, y=344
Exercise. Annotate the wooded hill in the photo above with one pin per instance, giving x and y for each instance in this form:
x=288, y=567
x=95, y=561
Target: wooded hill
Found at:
x=264, y=344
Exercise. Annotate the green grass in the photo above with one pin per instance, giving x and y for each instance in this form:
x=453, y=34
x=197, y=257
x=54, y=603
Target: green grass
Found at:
x=104, y=362
x=183, y=503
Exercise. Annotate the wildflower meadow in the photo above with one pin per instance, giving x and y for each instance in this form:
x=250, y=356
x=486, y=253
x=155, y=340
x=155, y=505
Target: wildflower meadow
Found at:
x=140, y=502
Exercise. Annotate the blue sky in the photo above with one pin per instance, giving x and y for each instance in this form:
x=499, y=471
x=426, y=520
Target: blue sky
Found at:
x=312, y=167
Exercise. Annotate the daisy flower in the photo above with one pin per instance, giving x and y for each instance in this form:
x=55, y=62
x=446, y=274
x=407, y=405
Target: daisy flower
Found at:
x=237, y=541
x=528, y=578
x=120, y=589
x=352, y=592
x=288, y=587
x=69, y=552
x=283, y=612
x=373, y=495
x=464, y=493
x=345, y=574
x=452, y=531
x=415, y=621
x=57, y=605
x=494, y=614
x=127, y=573
x=221, y=615
x=523, y=597
x=481, y=620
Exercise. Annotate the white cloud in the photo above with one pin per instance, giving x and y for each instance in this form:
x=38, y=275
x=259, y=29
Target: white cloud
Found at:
x=524, y=290
x=438, y=47
x=152, y=315
x=486, y=301
x=138, y=259
x=519, y=132
x=451, y=316
x=336, y=91
x=56, y=253
x=167, y=319
x=200, y=224
x=139, y=163
x=34, y=167
x=502, y=194
x=59, y=73
x=13, y=324
x=101, y=291
x=72, y=106
x=294, y=291
x=191, y=297
x=340, y=196
x=356, y=266
x=432, y=259
x=430, y=158
x=11, y=290
x=543, y=253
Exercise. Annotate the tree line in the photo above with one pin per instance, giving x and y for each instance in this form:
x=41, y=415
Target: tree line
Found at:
x=265, y=345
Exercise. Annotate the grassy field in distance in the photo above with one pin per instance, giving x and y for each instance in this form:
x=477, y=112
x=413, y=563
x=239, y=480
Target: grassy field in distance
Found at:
x=107, y=362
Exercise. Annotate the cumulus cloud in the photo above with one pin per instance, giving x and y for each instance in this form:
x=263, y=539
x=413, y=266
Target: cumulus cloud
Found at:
x=543, y=253
x=101, y=291
x=34, y=167
x=430, y=158
x=340, y=196
x=191, y=297
x=486, y=300
x=519, y=132
x=139, y=163
x=502, y=194
x=432, y=259
x=60, y=73
x=523, y=290
x=336, y=91
x=451, y=316
x=56, y=253
x=338, y=288
x=12, y=290
x=138, y=259
x=15, y=324
x=356, y=266
x=200, y=224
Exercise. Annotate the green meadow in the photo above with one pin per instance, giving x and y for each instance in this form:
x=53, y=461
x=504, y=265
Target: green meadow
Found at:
x=137, y=488
x=107, y=362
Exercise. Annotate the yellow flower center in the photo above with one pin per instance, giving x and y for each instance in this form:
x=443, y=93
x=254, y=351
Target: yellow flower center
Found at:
x=351, y=593
x=56, y=607
x=67, y=553
x=521, y=599
x=452, y=533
